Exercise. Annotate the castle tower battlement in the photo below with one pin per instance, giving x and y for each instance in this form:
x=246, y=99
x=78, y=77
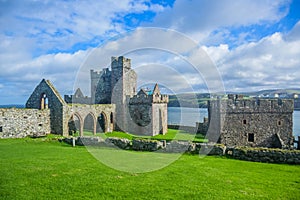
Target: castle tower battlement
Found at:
x=253, y=105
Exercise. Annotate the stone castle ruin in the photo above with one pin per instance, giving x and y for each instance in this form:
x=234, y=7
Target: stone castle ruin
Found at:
x=236, y=121
x=113, y=105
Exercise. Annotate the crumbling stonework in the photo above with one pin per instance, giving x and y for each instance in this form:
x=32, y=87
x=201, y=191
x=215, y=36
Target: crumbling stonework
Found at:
x=46, y=96
x=18, y=123
x=82, y=111
x=143, y=114
x=78, y=98
x=252, y=122
x=149, y=112
x=106, y=110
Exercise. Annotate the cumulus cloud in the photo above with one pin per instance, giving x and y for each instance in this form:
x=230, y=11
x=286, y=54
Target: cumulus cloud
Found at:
x=20, y=78
x=59, y=25
x=53, y=39
x=272, y=62
x=208, y=15
x=210, y=22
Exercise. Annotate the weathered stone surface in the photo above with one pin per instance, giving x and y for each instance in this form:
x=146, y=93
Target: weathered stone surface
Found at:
x=265, y=155
x=46, y=96
x=210, y=149
x=146, y=145
x=135, y=113
x=17, y=123
x=178, y=146
x=122, y=143
x=251, y=122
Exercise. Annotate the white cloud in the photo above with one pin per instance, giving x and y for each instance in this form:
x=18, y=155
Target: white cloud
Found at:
x=272, y=62
x=61, y=24
x=211, y=22
x=21, y=77
x=32, y=29
x=196, y=15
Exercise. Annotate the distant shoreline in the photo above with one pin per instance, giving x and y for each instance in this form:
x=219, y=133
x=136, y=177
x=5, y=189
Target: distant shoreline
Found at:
x=23, y=106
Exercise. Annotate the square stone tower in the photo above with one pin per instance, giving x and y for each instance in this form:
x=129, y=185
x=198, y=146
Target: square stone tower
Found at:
x=251, y=122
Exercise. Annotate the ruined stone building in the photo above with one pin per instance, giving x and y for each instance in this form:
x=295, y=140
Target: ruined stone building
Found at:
x=251, y=122
x=139, y=113
x=113, y=105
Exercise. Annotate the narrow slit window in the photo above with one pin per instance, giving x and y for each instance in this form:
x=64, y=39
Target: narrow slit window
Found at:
x=244, y=121
x=1, y=129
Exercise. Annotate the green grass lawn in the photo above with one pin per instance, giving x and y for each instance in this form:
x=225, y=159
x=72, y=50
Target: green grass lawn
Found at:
x=170, y=135
x=46, y=169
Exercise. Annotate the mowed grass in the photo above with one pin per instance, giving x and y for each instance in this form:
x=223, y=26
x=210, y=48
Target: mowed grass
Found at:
x=170, y=135
x=46, y=169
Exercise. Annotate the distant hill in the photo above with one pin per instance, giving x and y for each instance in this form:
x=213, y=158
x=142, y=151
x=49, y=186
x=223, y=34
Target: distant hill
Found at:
x=200, y=99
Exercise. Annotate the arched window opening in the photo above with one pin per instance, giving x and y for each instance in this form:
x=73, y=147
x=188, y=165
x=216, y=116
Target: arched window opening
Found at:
x=161, y=130
x=44, y=101
x=89, y=124
x=74, y=125
x=101, y=123
x=111, y=118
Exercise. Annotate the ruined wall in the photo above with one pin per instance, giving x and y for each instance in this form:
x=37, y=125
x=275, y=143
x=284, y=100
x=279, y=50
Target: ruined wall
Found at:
x=74, y=99
x=140, y=122
x=160, y=118
x=81, y=111
x=256, y=123
x=123, y=82
x=104, y=88
x=150, y=114
x=54, y=102
x=18, y=123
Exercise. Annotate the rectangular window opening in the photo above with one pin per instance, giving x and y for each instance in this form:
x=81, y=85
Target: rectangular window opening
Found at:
x=1, y=129
x=251, y=137
x=244, y=121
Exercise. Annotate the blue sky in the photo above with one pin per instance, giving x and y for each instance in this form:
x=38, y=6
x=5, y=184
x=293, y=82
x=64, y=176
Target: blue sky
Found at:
x=254, y=45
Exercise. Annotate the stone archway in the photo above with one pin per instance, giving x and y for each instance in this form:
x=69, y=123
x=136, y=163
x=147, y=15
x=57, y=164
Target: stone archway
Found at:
x=102, y=123
x=89, y=124
x=75, y=125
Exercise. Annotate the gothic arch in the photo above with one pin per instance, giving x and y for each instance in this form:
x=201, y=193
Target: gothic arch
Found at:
x=90, y=123
x=102, y=123
x=75, y=125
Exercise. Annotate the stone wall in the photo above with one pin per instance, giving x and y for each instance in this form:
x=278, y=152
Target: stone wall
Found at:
x=265, y=155
x=241, y=153
x=82, y=111
x=74, y=99
x=45, y=91
x=18, y=123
